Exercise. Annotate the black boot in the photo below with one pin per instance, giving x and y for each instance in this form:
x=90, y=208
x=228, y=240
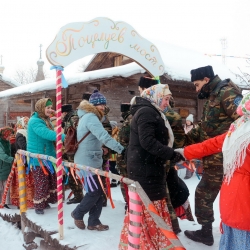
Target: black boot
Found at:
x=204, y=235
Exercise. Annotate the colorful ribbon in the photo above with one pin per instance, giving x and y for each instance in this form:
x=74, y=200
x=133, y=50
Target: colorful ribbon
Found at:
x=64, y=82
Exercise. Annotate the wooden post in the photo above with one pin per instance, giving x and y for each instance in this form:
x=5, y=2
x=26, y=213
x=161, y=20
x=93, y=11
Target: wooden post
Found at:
x=66, y=92
x=7, y=114
x=22, y=184
x=32, y=106
x=135, y=219
x=59, y=151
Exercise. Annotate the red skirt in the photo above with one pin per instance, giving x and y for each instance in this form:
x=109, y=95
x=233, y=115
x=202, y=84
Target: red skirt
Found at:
x=14, y=189
x=151, y=236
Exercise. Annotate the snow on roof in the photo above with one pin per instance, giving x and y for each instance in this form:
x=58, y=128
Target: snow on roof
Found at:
x=48, y=84
x=178, y=64
x=9, y=81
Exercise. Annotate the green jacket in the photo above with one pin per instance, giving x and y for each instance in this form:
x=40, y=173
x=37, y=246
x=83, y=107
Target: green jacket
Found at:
x=123, y=139
x=175, y=122
x=5, y=159
x=219, y=112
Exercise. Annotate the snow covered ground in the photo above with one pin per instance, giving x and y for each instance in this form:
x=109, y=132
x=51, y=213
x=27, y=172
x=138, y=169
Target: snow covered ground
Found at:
x=11, y=238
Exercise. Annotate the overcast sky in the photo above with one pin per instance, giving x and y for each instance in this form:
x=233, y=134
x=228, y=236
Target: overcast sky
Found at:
x=196, y=24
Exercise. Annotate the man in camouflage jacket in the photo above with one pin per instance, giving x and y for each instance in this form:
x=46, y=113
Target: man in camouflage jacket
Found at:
x=123, y=138
x=219, y=112
x=175, y=122
x=70, y=118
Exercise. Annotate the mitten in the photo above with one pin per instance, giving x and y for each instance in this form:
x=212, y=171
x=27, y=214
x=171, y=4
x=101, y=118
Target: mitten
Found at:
x=177, y=157
x=180, y=150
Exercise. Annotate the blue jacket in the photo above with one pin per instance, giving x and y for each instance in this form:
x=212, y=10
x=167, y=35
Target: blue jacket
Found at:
x=89, y=152
x=41, y=139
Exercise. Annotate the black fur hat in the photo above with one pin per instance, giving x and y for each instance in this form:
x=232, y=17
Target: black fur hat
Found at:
x=67, y=108
x=86, y=96
x=125, y=107
x=200, y=73
x=146, y=82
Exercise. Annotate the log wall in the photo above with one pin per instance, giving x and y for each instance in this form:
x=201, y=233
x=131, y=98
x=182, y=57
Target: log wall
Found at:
x=117, y=90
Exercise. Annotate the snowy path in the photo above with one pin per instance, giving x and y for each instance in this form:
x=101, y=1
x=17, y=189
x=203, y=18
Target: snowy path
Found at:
x=11, y=238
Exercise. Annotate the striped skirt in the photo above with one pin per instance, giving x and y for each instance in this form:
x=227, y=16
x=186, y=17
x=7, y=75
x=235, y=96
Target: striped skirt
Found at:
x=151, y=236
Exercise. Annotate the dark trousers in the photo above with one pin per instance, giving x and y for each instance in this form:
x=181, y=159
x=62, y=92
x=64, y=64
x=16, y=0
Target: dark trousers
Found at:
x=113, y=169
x=206, y=193
x=92, y=203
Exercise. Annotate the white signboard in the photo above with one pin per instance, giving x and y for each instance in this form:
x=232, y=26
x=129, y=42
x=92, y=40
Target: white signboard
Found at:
x=77, y=40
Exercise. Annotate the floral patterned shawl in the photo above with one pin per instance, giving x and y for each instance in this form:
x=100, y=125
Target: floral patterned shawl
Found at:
x=237, y=140
x=5, y=132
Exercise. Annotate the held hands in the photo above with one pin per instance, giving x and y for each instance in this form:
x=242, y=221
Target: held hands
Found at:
x=177, y=157
x=180, y=151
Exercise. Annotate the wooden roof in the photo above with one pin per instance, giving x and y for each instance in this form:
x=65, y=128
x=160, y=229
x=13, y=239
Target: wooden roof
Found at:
x=107, y=60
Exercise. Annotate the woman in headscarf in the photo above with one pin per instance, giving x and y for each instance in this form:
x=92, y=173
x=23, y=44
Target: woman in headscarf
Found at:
x=6, y=160
x=235, y=189
x=21, y=143
x=150, y=146
x=41, y=140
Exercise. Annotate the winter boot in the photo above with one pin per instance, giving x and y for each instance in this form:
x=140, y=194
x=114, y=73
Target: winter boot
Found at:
x=204, y=235
x=189, y=174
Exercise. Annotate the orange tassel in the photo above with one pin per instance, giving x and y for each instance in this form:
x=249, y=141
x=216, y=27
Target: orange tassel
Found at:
x=42, y=166
x=109, y=191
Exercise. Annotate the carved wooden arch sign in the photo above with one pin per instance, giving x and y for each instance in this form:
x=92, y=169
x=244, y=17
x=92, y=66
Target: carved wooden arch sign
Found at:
x=80, y=39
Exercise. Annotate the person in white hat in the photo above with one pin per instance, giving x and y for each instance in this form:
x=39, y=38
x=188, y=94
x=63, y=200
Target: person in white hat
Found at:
x=189, y=123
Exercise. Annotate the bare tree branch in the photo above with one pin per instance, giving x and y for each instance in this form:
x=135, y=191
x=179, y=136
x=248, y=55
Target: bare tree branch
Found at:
x=25, y=76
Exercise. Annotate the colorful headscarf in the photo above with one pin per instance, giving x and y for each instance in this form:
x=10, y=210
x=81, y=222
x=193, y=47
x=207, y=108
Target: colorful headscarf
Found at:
x=22, y=123
x=40, y=109
x=237, y=140
x=155, y=95
x=5, y=132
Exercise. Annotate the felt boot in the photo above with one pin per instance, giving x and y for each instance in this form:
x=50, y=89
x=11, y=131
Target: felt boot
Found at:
x=204, y=235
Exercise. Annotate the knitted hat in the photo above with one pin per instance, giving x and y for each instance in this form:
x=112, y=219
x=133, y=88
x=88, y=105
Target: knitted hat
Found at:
x=66, y=108
x=190, y=118
x=86, y=96
x=125, y=107
x=97, y=98
x=146, y=82
x=200, y=73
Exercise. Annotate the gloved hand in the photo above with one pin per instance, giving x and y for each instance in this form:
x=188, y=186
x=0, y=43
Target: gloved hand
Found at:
x=177, y=157
x=181, y=151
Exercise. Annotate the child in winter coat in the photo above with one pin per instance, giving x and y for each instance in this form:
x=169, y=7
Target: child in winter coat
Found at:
x=6, y=160
x=235, y=190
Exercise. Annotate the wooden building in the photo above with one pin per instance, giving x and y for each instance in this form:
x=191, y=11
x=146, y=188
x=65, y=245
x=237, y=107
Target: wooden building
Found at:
x=11, y=109
x=117, y=77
